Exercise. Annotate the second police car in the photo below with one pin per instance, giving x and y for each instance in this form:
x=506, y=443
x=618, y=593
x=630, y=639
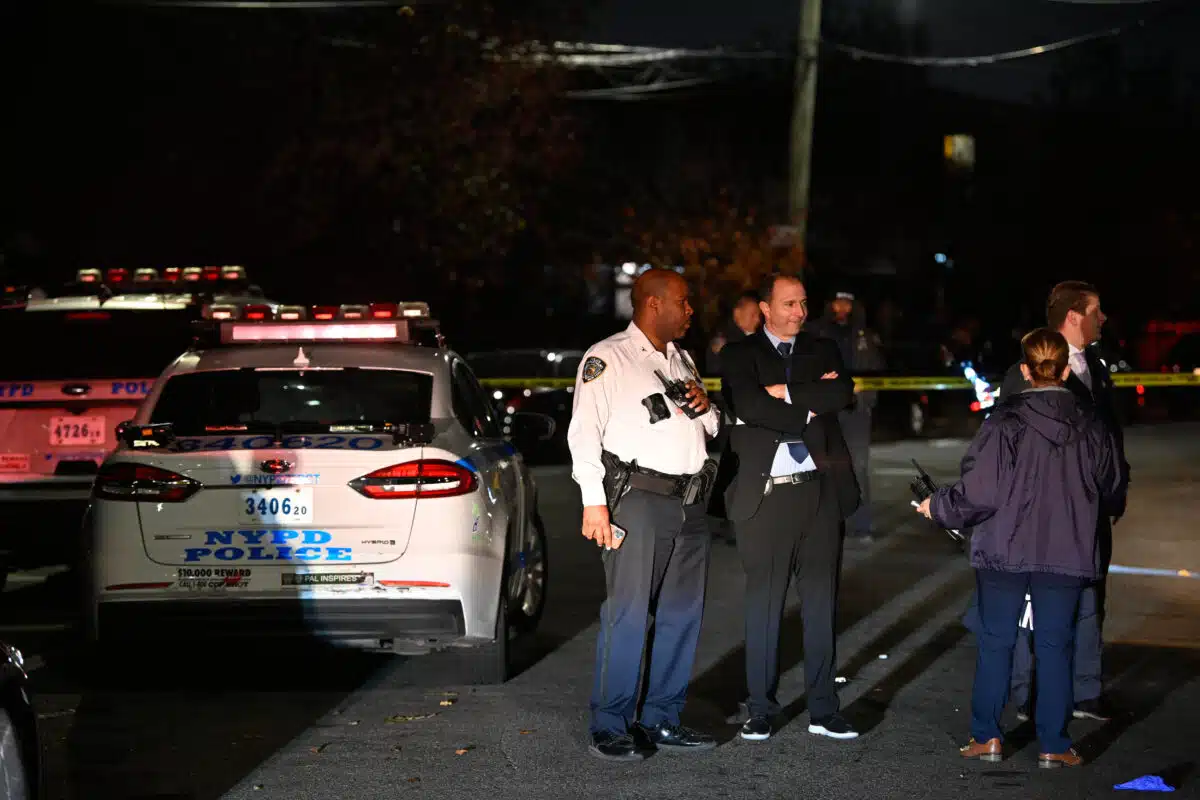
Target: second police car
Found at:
x=331, y=472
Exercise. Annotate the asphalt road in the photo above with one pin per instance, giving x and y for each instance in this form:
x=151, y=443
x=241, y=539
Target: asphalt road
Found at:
x=246, y=723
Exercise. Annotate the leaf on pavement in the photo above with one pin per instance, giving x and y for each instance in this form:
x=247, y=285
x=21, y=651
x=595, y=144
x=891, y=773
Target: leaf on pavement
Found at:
x=319, y=748
x=409, y=717
x=462, y=751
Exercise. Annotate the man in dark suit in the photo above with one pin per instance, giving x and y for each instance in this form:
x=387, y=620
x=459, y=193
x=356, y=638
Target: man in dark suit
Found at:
x=793, y=485
x=1073, y=309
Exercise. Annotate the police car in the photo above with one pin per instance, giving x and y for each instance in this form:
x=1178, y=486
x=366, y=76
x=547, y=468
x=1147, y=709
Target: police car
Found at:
x=77, y=360
x=328, y=472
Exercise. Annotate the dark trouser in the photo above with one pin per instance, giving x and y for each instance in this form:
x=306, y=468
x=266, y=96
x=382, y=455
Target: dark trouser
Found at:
x=1055, y=603
x=1089, y=639
x=795, y=533
x=660, y=568
x=856, y=429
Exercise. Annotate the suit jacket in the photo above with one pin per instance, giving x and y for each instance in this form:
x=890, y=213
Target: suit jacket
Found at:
x=1101, y=398
x=752, y=364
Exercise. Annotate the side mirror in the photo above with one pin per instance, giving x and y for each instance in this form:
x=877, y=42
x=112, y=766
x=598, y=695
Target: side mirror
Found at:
x=140, y=437
x=531, y=426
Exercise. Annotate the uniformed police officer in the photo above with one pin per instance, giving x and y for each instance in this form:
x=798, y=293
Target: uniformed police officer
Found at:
x=638, y=450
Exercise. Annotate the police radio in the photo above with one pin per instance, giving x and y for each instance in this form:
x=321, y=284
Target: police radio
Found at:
x=923, y=487
x=677, y=393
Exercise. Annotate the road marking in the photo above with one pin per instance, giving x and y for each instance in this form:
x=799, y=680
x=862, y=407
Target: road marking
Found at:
x=1121, y=569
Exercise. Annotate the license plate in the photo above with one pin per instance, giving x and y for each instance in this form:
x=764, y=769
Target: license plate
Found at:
x=277, y=505
x=14, y=462
x=72, y=431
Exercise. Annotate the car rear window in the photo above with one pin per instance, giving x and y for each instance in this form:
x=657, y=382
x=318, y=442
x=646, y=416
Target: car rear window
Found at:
x=88, y=345
x=199, y=402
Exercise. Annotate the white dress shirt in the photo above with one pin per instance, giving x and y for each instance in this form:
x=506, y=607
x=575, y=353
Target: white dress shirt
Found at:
x=607, y=414
x=1079, y=365
x=784, y=463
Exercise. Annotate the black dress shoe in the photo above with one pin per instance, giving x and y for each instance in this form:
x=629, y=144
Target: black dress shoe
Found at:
x=756, y=729
x=612, y=746
x=677, y=738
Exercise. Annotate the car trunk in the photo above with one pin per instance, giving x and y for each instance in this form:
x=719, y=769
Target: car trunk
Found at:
x=245, y=517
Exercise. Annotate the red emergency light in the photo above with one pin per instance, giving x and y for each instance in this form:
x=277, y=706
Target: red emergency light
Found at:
x=117, y=275
x=256, y=313
x=385, y=310
x=324, y=312
x=171, y=273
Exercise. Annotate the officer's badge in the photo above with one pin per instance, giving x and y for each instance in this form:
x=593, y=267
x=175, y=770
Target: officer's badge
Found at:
x=593, y=368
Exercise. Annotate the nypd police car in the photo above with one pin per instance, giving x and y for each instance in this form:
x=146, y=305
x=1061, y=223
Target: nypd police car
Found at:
x=78, y=359
x=332, y=472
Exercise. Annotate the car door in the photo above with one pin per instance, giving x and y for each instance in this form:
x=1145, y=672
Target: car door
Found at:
x=500, y=466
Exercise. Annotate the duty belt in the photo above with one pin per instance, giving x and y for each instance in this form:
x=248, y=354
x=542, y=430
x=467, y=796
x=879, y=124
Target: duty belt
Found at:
x=691, y=488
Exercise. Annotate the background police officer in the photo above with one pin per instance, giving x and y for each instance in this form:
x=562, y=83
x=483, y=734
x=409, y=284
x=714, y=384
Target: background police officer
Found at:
x=845, y=323
x=660, y=564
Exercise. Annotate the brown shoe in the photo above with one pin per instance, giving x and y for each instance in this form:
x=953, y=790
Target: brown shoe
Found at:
x=1055, y=760
x=987, y=751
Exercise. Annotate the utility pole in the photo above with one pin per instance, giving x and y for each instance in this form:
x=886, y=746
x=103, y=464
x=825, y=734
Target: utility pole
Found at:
x=804, y=109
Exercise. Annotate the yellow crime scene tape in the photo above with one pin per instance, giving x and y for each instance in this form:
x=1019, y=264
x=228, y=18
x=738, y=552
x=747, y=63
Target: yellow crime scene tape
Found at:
x=885, y=384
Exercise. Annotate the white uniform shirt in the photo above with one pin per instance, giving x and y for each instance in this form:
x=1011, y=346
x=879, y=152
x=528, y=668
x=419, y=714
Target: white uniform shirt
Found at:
x=607, y=414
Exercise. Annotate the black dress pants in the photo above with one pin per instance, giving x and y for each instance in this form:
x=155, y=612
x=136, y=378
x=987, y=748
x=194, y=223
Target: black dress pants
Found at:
x=794, y=535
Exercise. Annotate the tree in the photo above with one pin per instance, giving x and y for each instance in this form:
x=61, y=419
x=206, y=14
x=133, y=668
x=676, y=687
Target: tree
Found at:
x=421, y=140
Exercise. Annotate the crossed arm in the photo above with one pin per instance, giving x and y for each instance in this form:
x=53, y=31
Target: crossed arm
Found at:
x=765, y=406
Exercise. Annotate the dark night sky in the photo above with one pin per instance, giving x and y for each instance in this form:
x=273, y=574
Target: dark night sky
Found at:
x=953, y=28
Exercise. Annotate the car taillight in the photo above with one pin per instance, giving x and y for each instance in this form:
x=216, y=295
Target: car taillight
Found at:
x=143, y=483
x=417, y=479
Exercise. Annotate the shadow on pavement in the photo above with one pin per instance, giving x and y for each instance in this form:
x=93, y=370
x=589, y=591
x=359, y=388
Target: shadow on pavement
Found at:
x=868, y=586
x=193, y=724
x=1141, y=679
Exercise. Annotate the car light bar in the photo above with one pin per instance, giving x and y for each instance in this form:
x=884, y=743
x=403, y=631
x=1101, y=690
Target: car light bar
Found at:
x=234, y=332
x=88, y=276
x=171, y=273
x=117, y=275
x=192, y=273
x=143, y=274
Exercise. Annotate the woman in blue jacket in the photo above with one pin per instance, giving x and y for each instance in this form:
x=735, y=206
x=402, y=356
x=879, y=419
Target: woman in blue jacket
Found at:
x=1040, y=472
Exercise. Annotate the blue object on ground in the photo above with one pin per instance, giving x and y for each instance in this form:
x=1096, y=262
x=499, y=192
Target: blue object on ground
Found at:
x=1146, y=783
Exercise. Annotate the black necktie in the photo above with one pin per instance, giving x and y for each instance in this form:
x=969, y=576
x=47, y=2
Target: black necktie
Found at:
x=797, y=449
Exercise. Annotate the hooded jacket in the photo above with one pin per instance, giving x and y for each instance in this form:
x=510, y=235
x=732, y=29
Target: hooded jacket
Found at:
x=1035, y=481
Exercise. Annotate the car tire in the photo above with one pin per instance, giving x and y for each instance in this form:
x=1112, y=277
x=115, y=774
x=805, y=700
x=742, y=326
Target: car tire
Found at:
x=489, y=664
x=13, y=773
x=527, y=610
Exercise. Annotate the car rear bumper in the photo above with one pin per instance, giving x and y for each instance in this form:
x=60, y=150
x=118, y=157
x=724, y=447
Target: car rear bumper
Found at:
x=434, y=622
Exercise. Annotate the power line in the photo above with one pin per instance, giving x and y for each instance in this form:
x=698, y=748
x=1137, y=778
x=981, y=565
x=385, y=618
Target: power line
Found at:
x=983, y=60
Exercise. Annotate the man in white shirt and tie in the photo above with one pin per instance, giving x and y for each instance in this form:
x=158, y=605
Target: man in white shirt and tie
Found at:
x=1073, y=309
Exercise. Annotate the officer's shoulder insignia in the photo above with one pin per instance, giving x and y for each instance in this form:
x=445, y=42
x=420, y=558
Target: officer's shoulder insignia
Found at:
x=593, y=368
